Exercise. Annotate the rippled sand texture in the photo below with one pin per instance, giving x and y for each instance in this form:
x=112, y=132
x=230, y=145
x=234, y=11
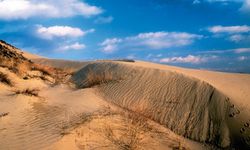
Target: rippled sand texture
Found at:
x=188, y=106
x=36, y=123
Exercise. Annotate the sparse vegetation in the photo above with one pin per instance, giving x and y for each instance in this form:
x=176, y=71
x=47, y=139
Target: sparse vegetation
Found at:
x=131, y=134
x=125, y=60
x=3, y=114
x=28, y=92
x=43, y=69
x=58, y=75
x=4, y=79
x=123, y=136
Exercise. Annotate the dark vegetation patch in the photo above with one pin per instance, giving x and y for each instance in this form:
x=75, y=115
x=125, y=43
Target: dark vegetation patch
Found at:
x=3, y=114
x=125, y=60
x=28, y=92
x=5, y=79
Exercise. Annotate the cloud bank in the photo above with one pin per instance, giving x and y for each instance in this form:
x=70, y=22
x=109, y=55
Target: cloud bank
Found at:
x=150, y=40
x=229, y=29
x=60, y=31
x=188, y=59
x=74, y=46
x=24, y=9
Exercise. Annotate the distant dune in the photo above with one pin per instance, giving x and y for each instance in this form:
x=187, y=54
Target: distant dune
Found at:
x=61, y=104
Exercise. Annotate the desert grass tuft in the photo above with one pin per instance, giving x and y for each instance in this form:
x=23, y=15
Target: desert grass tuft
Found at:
x=28, y=92
x=125, y=60
x=4, y=114
x=43, y=69
x=4, y=79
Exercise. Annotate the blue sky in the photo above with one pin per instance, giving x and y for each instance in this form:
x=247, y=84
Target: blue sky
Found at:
x=204, y=34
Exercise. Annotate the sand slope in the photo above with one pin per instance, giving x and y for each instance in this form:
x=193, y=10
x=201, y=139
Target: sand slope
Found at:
x=37, y=122
x=188, y=106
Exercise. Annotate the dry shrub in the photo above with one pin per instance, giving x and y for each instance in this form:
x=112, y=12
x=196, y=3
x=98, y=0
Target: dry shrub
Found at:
x=45, y=70
x=59, y=75
x=125, y=60
x=124, y=130
x=4, y=114
x=23, y=68
x=28, y=92
x=131, y=135
x=4, y=79
x=7, y=63
x=14, y=65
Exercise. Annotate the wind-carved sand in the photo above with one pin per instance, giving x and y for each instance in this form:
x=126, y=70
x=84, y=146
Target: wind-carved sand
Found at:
x=58, y=104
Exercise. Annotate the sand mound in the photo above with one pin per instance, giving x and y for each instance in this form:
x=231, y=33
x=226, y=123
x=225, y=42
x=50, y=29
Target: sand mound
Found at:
x=188, y=106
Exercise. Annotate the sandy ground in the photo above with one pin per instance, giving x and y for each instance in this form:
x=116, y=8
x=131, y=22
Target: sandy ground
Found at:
x=98, y=117
x=63, y=117
x=197, y=104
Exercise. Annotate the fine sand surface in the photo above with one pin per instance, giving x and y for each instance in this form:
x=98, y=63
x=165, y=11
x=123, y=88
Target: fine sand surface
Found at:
x=63, y=117
x=192, y=107
x=205, y=106
x=119, y=105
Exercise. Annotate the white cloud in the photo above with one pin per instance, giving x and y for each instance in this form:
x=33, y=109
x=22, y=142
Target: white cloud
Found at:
x=224, y=1
x=151, y=40
x=242, y=58
x=246, y=6
x=131, y=56
x=75, y=46
x=23, y=9
x=237, y=51
x=233, y=33
x=110, y=45
x=242, y=50
x=229, y=29
x=196, y=2
x=104, y=20
x=60, y=31
x=160, y=40
x=236, y=38
x=188, y=59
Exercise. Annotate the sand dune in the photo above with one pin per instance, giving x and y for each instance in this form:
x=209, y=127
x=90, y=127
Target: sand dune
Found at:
x=188, y=106
x=60, y=104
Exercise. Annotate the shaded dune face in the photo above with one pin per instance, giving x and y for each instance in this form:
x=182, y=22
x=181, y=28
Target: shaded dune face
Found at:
x=188, y=106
